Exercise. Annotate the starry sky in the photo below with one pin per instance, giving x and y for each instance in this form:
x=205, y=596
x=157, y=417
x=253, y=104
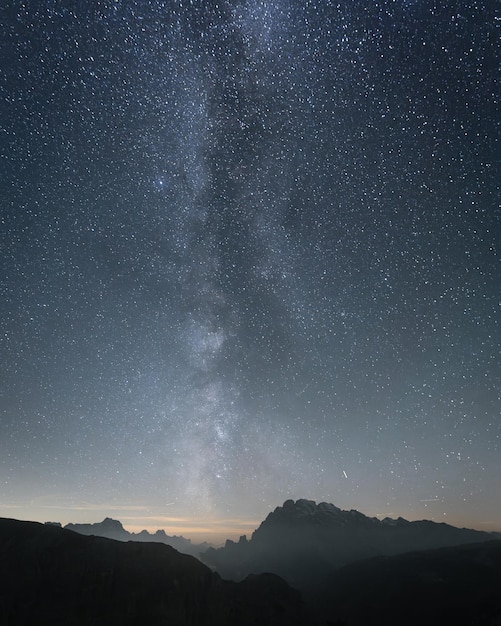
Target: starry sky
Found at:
x=249, y=252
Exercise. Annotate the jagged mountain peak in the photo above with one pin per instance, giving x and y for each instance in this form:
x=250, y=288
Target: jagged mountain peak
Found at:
x=309, y=507
x=304, y=512
x=109, y=527
x=109, y=522
x=113, y=529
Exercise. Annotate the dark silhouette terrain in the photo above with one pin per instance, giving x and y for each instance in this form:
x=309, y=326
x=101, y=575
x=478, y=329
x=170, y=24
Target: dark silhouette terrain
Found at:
x=52, y=576
x=460, y=586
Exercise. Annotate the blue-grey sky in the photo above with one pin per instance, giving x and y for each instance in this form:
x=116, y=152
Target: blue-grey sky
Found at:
x=249, y=251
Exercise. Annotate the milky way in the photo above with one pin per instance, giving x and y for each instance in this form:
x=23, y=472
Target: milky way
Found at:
x=249, y=252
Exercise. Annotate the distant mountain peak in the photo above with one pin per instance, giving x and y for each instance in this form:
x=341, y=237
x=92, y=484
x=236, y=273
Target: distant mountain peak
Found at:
x=302, y=512
x=107, y=528
x=309, y=507
x=109, y=522
x=113, y=529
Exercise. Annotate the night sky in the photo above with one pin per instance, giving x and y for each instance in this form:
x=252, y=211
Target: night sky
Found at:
x=249, y=252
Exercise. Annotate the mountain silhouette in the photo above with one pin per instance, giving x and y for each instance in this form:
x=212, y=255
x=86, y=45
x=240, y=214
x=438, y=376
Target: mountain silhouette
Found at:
x=50, y=575
x=348, y=569
x=113, y=529
x=306, y=543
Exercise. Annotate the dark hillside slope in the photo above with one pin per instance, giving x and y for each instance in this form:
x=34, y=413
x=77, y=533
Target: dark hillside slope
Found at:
x=460, y=586
x=49, y=575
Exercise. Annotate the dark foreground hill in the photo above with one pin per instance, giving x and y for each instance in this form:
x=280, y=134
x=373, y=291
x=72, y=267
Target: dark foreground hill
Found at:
x=458, y=586
x=52, y=576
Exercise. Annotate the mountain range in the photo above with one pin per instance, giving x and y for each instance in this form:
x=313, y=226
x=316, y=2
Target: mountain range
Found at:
x=113, y=529
x=307, y=564
x=305, y=543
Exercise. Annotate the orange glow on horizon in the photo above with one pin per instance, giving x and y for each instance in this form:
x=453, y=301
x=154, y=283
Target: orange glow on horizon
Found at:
x=198, y=530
